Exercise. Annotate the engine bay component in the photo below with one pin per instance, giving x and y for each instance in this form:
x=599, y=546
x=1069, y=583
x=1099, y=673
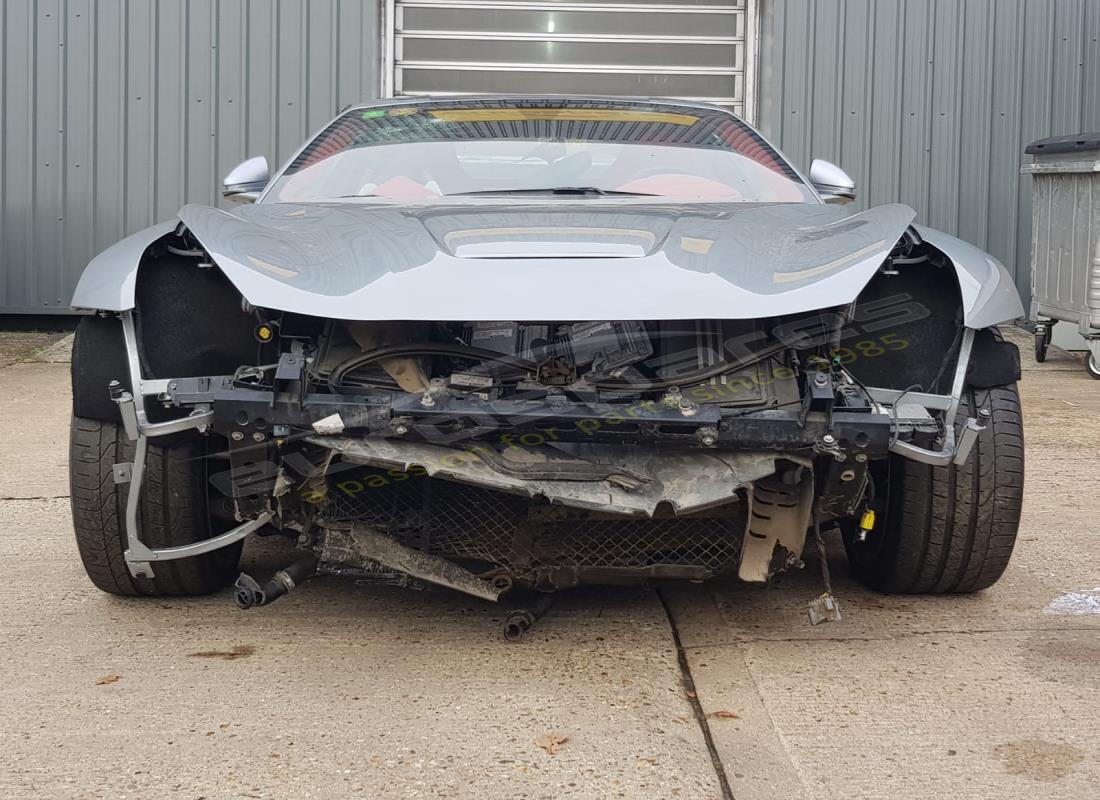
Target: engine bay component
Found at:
x=381, y=354
x=607, y=346
x=561, y=349
x=499, y=337
x=485, y=358
x=406, y=370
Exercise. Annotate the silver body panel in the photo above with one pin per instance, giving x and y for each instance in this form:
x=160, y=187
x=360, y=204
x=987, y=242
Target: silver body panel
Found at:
x=108, y=282
x=374, y=262
x=989, y=295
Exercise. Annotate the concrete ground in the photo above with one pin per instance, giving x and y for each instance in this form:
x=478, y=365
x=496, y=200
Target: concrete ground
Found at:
x=46, y=346
x=346, y=691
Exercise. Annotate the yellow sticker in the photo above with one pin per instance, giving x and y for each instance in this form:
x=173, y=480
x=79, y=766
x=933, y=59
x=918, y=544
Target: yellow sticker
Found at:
x=403, y=111
x=830, y=266
x=700, y=246
x=570, y=114
x=282, y=272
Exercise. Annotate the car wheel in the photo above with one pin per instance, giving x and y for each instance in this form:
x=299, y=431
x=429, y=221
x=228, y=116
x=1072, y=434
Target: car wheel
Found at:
x=173, y=512
x=948, y=529
x=1093, y=366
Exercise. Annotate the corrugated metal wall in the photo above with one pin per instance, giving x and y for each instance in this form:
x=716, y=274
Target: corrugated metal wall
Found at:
x=931, y=102
x=114, y=113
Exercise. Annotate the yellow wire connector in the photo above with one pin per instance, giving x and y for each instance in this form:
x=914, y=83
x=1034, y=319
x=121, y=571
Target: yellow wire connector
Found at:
x=866, y=524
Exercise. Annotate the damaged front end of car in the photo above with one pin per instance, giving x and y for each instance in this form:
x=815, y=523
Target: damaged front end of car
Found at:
x=483, y=455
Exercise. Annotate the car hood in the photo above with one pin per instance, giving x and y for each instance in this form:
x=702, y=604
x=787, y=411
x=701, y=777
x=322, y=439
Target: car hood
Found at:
x=587, y=260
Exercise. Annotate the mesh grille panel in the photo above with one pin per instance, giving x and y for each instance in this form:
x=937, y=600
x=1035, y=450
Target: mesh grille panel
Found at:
x=710, y=542
x=461, y=521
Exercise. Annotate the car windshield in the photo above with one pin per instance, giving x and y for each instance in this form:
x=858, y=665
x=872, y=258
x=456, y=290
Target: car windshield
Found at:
x=422, y=152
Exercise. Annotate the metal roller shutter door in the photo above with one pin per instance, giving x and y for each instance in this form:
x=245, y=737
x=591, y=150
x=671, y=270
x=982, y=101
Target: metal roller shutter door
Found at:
x=702, y=50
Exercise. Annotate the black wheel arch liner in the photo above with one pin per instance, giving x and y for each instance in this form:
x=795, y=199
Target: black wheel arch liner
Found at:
x=189, y=320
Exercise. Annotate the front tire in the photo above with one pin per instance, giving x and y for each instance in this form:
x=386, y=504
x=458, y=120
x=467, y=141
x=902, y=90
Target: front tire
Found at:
x=173, y=512
x=949, y=529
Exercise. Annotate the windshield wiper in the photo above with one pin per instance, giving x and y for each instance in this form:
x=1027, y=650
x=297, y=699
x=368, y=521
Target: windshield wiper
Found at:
x=554, y=190
x=354, y=196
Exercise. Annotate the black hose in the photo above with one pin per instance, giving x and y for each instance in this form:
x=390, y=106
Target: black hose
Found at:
x=249, y=594
x=520, y=621
x=336, y=377
x=694, y=377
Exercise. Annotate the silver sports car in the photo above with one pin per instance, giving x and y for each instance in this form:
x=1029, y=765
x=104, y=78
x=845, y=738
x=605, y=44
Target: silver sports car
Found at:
x=524, y=343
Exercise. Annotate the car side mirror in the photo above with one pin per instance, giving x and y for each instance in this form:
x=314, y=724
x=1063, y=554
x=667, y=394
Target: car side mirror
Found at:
x=246, y=181
x=832, y=183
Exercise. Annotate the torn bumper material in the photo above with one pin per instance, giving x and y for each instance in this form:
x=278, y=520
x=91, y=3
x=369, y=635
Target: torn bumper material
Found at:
x=636, y=482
